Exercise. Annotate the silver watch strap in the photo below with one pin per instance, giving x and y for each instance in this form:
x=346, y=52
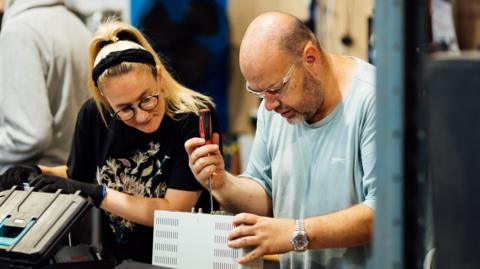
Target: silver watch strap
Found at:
x=299, y=225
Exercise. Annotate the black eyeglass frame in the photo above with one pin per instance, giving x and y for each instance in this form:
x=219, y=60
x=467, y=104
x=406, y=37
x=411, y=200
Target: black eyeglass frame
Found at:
x=132, y=109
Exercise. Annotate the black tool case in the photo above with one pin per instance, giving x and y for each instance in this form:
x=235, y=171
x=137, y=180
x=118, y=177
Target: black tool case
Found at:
x=33, y=223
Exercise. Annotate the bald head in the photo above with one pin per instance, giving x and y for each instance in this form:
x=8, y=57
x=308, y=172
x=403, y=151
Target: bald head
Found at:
x=272, y=35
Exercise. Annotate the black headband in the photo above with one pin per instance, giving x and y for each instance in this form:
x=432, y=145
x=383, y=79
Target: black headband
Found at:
x=118, y=57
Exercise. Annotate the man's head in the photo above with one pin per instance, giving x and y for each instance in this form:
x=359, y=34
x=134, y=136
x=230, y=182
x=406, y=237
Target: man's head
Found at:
x=282, y=62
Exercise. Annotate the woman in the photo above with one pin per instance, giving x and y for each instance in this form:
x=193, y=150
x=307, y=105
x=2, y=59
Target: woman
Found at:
x=130, y=139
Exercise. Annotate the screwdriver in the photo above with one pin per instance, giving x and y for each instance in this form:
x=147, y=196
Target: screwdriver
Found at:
x=205, y=126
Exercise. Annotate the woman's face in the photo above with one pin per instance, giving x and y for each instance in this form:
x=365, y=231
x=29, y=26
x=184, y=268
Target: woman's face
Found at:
x=127, y=94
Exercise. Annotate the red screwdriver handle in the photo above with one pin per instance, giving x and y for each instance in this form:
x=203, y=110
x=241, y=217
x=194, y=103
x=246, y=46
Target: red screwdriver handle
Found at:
x=205, y=125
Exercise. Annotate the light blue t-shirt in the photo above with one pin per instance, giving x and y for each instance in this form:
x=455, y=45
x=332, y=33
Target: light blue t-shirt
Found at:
x=320, y=168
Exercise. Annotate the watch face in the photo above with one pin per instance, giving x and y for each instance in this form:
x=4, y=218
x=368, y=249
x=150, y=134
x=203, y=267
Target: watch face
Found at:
x=300, y=241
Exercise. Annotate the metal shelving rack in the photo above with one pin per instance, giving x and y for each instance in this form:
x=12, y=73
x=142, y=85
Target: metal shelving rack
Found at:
x=427, y=129
x=388, y=232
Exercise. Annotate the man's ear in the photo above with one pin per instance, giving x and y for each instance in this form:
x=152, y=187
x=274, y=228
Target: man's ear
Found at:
x=311, y=55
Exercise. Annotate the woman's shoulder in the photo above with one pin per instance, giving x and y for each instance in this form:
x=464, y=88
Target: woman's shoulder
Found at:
x=184, y=120
x=89, y=106
x=89, y=112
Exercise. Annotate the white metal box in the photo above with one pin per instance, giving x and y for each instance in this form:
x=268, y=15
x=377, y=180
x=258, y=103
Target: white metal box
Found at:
x=195, y=240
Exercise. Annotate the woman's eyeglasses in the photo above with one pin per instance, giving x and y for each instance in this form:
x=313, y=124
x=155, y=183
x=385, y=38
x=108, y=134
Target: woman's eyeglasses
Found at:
x=146, y=104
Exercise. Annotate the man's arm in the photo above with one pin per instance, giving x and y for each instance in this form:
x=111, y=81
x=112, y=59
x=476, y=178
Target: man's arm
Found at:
x=241, y=194
x=346, y=228
x=235, y=194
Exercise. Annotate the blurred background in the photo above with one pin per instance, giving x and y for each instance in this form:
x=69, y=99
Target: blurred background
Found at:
x=200, y=39
x=428, y=87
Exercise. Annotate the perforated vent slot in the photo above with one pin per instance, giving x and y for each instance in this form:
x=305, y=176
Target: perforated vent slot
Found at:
x=227, y=253
x=223, y=226
x=166, y=221
x=166, y=247
x=221, y=265
x=186, y=240
x=166, y=234
x=165, y=260
x=220, y=239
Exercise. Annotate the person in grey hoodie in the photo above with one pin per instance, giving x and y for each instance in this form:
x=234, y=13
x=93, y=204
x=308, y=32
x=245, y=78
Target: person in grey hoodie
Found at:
x=43, y=81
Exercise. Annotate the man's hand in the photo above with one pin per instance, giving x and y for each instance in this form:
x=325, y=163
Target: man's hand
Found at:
x=206, y=161
x=17, y=175
x=265, y=235
x=48, y=183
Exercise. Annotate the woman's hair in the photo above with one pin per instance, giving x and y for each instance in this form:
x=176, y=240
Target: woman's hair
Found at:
x=115, y=36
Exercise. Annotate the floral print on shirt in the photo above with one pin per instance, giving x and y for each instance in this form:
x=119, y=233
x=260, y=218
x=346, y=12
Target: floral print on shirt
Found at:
x=139, y=175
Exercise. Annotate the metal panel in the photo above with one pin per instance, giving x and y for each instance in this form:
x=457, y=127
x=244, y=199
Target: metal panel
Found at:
x=453, y=131
x=388, y=233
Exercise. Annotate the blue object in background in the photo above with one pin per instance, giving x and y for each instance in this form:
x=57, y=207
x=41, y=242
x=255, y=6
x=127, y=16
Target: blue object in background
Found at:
x=193, y=37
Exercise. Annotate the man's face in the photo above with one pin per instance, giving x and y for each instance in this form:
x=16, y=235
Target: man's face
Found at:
x=298, y=95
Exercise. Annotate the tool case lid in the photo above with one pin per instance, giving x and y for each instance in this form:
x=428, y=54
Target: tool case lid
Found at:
x=32, y=223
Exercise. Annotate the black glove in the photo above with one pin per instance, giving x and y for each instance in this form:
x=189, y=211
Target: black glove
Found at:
x=48, y=183
x=17, y=175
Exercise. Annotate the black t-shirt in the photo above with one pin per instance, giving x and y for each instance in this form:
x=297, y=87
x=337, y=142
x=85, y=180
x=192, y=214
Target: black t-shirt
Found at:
x=137, y=163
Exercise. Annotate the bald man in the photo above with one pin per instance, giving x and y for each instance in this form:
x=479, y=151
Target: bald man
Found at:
x=309, y=187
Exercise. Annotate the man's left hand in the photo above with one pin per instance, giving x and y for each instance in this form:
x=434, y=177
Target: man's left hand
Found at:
x=265, y=235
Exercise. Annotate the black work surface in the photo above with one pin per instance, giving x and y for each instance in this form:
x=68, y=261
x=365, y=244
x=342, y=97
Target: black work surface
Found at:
x=138, y=265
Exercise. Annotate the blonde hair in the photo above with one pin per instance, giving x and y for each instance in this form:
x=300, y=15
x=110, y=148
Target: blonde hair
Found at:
x=179, y=99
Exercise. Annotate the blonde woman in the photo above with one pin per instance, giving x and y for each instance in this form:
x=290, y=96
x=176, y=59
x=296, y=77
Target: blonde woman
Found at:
x=130, y=140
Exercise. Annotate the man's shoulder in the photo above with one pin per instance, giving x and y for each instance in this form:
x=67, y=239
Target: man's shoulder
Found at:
x=365, y=73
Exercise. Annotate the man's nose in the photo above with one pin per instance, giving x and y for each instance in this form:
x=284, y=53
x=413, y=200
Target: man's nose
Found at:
x=271, y=102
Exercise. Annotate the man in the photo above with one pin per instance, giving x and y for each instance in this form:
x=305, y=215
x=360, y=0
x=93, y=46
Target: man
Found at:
x=313, y=158
x=43, y=71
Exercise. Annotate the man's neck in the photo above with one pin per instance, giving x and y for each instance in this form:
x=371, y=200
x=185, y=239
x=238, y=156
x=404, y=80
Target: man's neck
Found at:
x=340, y=70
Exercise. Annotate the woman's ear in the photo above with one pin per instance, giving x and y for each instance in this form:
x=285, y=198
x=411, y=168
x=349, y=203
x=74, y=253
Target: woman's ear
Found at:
x=161, y=82
x=160, y=79
x=159, y=72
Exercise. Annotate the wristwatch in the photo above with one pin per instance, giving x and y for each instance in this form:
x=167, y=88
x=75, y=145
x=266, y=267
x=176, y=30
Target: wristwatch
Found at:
x=299, y=238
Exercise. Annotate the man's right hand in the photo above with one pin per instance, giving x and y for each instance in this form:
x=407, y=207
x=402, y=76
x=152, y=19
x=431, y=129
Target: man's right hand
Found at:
x=17, y=175
x=206, y=161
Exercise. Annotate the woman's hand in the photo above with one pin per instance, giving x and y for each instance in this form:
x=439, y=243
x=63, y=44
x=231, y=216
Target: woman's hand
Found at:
x=48, y=183
x=17, y=175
